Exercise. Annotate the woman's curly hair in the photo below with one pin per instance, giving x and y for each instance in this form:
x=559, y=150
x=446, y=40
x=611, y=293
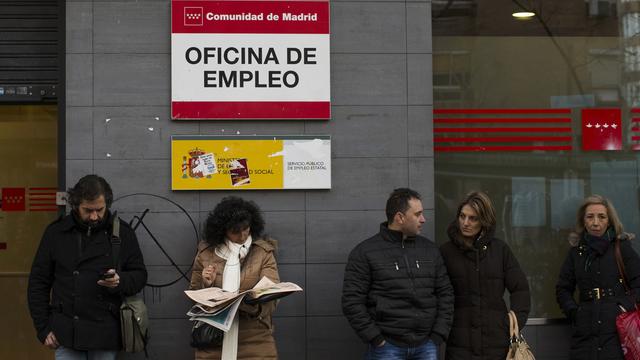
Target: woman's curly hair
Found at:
x=235, y=214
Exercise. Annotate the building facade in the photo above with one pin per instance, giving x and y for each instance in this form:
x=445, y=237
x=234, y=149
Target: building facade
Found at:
x=441, y=96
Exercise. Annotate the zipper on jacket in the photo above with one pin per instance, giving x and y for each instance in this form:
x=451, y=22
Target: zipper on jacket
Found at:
x=406, y=262
x=88, y=231
x=397, y=267
x=417, y=264
x=477, y=254
x=477, y=260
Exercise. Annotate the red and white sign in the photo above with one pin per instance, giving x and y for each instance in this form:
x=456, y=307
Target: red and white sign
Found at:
x=42, y=199
x=250, y=60
x=13, y=199
x=601, y=129
x=502, y=130
x=39, y=199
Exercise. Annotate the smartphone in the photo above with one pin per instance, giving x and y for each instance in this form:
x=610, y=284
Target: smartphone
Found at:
x=106, y=275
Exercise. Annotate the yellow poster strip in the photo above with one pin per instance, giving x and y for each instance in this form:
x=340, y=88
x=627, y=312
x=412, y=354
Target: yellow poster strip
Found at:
x=226, y=163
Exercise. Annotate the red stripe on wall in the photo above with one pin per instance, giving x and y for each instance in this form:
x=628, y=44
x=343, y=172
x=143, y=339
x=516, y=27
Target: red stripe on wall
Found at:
x=502, y=111
x=499, y=148
x=503, y=139
x=500, y=120
x=197, y=110
x=44, y=209
x=501, y=129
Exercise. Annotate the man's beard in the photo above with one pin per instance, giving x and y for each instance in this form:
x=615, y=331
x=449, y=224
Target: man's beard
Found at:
x=93, y=223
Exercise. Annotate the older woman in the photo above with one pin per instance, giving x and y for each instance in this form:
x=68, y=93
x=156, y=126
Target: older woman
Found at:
x=481, y=267
x=235, y=256
x=591, y=269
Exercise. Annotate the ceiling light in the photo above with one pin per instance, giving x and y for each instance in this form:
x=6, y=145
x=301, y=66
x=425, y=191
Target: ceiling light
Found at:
x=523, y=15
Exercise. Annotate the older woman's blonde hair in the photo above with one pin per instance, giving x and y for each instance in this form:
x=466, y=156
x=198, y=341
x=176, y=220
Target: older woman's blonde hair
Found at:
x=614, y=220
x=481, y=203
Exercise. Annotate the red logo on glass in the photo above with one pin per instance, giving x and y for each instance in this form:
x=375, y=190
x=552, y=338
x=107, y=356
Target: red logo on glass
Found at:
x=193, y=16
x=13, y=199
x=601, y=129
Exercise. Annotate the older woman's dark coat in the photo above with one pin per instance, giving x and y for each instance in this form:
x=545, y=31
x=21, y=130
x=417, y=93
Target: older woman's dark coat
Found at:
x=594, y=334
x=480, y=275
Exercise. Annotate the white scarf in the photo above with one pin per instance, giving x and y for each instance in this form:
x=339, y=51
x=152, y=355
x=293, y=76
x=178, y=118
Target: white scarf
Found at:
x=233, y=253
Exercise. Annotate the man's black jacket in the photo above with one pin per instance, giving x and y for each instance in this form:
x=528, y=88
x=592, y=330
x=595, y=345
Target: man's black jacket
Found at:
x=397, y=290
x=63, y=293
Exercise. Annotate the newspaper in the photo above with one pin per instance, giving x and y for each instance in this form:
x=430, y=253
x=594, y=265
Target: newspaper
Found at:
x=217, y=307
x=266, y=287
x=212, y=297
x=222, y=319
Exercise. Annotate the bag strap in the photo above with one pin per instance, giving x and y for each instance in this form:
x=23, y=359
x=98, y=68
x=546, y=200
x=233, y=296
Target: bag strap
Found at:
x=116, y=242
x=514, y=330
x=620, y=263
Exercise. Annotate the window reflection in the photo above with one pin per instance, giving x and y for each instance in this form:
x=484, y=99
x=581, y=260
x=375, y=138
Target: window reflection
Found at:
x=574, y=55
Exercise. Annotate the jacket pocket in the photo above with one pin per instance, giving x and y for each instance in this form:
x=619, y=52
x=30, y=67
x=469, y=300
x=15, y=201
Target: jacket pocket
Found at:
x=388, y=265
x=423, y=263
x=391, y=269
x=380, y=308
x=423, y=267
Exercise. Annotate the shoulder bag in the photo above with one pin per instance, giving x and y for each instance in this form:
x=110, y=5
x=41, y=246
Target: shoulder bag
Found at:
x=204, y=336
x=628, y=322
x=518, y=347
x=134, y=320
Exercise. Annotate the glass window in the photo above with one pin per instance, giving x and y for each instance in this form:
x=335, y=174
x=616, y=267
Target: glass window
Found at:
x=28, y=184
x=538, y=113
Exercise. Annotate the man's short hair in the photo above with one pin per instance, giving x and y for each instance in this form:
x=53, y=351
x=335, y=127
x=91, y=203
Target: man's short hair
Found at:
x=89, y=188
x=398, y=201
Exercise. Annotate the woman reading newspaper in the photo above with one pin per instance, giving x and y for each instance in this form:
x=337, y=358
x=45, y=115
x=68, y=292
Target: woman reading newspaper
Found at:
x=234, y=256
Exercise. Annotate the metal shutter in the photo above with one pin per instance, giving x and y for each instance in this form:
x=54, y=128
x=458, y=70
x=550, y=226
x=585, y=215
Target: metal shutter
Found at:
x=31, y=50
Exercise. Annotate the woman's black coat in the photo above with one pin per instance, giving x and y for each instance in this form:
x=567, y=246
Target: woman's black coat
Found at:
x=594, y=333
x=480, y=275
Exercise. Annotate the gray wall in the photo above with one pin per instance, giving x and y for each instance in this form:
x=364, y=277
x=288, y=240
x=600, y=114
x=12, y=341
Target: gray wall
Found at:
x=118, y=125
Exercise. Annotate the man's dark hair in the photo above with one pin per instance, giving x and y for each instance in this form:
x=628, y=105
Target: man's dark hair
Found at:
x=89, y=188
x=399, y=202
x=235, y=214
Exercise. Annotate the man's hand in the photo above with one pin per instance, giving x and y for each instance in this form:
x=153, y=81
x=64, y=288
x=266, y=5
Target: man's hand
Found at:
x=51, y=342
x=208, y=275
x=112, y=280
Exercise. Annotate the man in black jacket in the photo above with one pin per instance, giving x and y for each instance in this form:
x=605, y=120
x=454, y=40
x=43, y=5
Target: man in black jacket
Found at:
x=396, y=292
x=74, y=289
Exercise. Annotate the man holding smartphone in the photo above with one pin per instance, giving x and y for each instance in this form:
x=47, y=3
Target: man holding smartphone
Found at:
x=74, y=289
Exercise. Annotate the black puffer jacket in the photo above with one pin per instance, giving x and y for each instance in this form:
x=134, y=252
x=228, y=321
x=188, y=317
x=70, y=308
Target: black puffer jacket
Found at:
x=82, y=314
x=594, y=335
x=397, y=290
x=480, y=275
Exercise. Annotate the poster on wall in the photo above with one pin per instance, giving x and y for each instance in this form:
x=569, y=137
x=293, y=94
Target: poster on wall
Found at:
x=250, y=60
x=202, y=162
